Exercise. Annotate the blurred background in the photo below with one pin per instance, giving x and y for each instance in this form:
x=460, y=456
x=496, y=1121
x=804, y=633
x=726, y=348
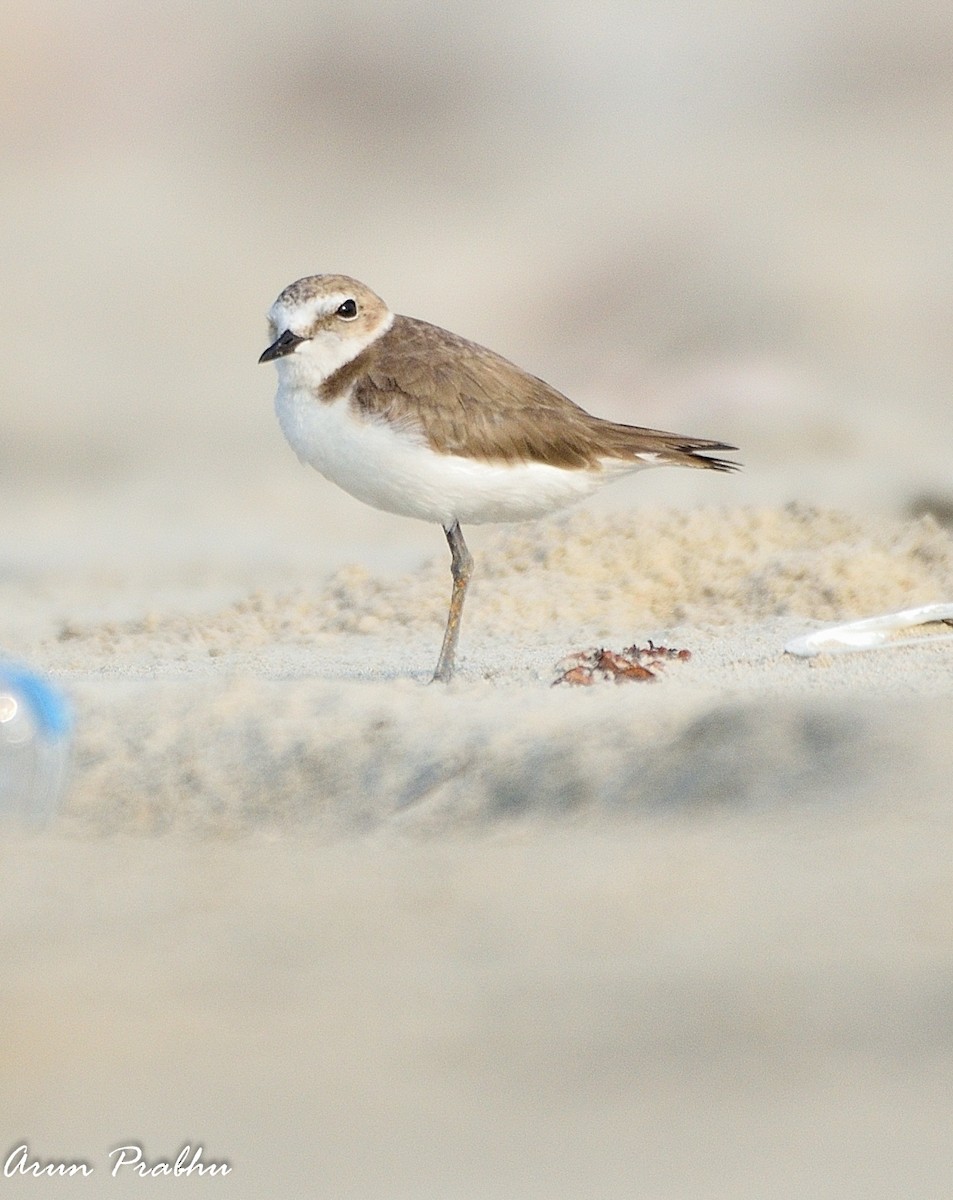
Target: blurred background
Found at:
x=729, y=219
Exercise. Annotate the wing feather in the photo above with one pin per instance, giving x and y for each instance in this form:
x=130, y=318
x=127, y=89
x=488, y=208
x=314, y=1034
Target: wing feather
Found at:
x=467, y=400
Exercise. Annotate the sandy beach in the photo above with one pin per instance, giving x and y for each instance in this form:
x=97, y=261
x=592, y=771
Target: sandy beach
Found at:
x=291, y=710
x=357, y=935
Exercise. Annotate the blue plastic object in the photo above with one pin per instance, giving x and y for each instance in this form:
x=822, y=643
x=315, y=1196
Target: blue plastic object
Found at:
x=35, y=736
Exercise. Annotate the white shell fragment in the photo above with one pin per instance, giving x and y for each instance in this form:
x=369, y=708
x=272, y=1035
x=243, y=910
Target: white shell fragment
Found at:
x=875, y=633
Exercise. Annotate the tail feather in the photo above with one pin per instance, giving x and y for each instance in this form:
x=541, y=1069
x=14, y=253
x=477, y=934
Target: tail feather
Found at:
x=670, y=449
x=693, y=452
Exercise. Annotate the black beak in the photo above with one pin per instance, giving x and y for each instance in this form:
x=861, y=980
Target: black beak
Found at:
x=284, y=345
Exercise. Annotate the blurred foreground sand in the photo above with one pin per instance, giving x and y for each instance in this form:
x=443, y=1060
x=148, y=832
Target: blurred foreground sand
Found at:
x=365, y=937
x=729, y=1004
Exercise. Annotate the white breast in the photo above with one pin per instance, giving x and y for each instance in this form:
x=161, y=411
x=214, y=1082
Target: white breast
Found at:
x=397, y=471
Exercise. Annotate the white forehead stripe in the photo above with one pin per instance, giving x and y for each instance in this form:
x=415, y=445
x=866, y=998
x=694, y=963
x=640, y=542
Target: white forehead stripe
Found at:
x=305, y=313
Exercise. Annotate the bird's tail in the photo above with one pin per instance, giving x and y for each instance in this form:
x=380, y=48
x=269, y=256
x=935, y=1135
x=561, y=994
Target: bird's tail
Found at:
x=698, y=452
x=657, y=448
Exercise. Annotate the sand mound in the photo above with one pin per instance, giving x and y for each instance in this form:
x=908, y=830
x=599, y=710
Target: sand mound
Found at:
x=587, y=576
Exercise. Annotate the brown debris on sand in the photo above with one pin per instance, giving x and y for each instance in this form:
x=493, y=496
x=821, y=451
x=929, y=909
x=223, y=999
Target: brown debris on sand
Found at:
x=586, y=667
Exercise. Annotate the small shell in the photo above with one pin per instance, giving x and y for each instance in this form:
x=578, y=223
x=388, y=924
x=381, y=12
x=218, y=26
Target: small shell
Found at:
x=873, y=633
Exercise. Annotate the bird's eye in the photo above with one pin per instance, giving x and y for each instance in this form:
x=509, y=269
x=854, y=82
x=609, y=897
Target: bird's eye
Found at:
x=347, y=310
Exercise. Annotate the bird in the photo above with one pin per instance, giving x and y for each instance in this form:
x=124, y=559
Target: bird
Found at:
x=421, y=422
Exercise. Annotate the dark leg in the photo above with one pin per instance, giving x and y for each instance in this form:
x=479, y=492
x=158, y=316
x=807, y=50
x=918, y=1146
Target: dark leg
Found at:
x=461, y=567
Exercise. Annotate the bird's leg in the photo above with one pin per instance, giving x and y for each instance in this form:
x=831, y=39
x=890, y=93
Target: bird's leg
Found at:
x=461, y=568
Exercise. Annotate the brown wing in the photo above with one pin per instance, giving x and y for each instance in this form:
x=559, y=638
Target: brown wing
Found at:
x=469, y=401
